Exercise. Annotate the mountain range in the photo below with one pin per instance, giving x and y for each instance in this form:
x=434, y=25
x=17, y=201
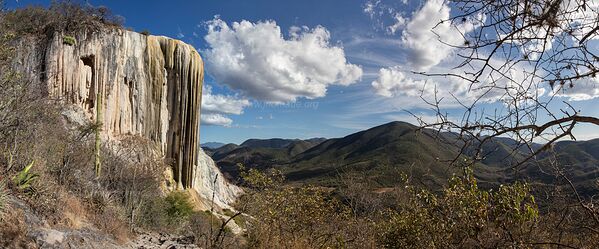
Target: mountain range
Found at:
x=212, y=145
x=382, y=154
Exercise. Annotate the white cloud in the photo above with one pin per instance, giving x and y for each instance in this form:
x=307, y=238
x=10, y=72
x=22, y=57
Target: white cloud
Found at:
x=393, y=82
x=580, y=90
x=215, y=119
x=425, y=42
x=216, y=106
x=580, y=21
x=422, y=34
x=400, y=22
x=586, y=18
x=492, y=87
x=256, y=59
x=225, y=104
x=369, y=7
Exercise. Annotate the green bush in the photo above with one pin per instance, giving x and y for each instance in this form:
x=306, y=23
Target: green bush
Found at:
x=178, y=205
x=463, y=216
x=69, y=40
x=167, y=214
x=24, y=179
x=292, y=217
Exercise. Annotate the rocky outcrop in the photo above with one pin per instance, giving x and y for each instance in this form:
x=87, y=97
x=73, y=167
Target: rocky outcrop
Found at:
x=43, y=235
x=212, y=185
x=146, y=85
x=150, y=86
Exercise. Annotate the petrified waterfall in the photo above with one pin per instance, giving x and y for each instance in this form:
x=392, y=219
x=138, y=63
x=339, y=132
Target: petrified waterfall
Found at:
x=150, y=86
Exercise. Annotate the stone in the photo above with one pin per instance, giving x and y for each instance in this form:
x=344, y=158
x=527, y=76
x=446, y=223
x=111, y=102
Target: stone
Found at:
x=150, y=86
x=209, y=180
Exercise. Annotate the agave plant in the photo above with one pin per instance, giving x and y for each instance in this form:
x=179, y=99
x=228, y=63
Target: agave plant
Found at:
x=24, y=179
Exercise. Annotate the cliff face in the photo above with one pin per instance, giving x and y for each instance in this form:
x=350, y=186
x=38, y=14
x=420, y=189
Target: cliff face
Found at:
x=209, y=180
x=149, y=86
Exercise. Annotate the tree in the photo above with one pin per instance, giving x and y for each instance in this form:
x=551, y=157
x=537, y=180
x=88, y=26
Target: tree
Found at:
x=529, y=55
x=528, y=52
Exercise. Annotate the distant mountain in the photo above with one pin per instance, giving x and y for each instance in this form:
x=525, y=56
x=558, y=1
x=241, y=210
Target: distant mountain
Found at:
x=275, y=143
x=375, y=150
x=212, y=145
x=278, y=143
x=392, y=146
x=383, y=153
x=260, y=153
x=223, y=151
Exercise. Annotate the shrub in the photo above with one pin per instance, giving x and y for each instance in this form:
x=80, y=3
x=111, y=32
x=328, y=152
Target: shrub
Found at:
x=69, y=40
x=178, y=205
x=463, y=215
x=61, y=16
x=293, y=217
x=24, y=179
x=205, y=229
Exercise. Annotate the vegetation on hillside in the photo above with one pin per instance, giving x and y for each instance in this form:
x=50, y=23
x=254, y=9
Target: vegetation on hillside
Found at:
x=69, y=17
x=462, y=215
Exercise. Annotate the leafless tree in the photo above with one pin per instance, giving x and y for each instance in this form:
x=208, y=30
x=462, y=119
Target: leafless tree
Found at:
x=526, y=54
x=534, y=57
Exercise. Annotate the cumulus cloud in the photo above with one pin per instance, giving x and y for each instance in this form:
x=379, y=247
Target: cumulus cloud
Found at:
x=215, y=107
x=422, y=34
x=258, y=60
x=585, y=18
x=580, y=90
x=425, y=41
x=225, y=104
x=394, y=82
x=215, y=119
x=534, y=40
x=492, y=87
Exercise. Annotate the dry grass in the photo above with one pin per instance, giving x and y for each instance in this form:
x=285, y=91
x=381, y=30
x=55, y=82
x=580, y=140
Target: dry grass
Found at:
x=13, y=231
x=75, y=214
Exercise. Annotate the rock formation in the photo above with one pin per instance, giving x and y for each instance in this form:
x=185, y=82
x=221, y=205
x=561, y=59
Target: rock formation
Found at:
x=149, y=86
x=209, y=180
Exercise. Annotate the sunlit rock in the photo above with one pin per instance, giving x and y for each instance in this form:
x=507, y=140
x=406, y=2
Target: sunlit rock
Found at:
x=150, y=86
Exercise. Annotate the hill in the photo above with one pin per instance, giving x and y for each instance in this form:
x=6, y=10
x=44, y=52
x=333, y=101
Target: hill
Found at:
x=382, y=154
x=212, y=145
x=260, y=153
x=395, y=146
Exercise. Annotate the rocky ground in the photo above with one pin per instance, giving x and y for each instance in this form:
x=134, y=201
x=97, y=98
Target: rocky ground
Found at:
x=162, y=241
x=87, y=237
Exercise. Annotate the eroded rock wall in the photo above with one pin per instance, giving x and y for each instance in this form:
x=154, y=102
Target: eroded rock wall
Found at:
x=211, y=184
x=150, y=86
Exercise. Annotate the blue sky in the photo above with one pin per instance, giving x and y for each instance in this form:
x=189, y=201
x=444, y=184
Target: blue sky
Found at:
x=333, y=83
